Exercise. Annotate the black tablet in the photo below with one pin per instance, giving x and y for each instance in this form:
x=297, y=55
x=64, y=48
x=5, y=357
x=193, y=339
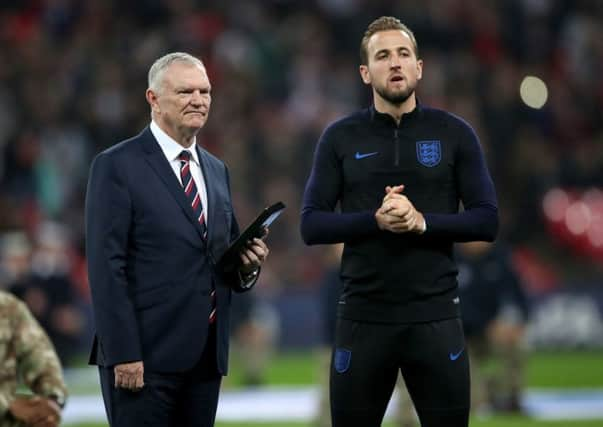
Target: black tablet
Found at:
x=230, y=259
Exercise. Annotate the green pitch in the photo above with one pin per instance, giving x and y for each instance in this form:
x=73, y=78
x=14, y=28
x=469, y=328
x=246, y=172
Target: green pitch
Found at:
x=494, y=422
x=544, y=370
x=560, y=369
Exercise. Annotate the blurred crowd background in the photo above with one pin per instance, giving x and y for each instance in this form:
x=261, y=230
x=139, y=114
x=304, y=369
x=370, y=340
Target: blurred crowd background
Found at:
x=72, y=82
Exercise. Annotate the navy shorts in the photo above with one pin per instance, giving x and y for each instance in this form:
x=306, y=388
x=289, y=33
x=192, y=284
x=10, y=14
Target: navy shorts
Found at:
x=431, y=357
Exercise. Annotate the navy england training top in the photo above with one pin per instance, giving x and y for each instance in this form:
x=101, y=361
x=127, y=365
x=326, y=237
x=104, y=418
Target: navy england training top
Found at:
x=407, y=277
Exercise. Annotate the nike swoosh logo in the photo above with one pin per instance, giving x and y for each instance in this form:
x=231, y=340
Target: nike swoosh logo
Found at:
x=453, y=356
x=362, y=156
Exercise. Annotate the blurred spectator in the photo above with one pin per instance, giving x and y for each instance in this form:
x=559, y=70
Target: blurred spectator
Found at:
x=494, y=313
x=47, y=289
x=69, y=87
x=254, y=329
x=27, y=354
x=330, y=289
x=15, y=258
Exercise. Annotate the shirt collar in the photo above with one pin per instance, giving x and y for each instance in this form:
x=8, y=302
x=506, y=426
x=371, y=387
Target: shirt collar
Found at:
x=171, y=149
x=386, y=118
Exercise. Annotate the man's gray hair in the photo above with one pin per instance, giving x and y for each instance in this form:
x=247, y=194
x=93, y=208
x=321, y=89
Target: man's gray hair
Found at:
x=159, y=66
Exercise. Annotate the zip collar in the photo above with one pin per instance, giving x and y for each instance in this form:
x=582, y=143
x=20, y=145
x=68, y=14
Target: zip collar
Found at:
x=386, y=119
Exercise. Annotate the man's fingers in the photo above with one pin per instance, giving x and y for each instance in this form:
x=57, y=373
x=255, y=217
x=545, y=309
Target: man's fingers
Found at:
x=400, y=224
x=394, y=189
x=392, y=192
x=253, y=259
x=55, y=406
x=245, y=258
x=50, y=420
x=44, y=410
x=132, y=381
x=127, y=375
x=403, y=212
x=397, y=201
x=400, y=212
x=260, y=249
x=255, y=253
x=129, y=382
x=120, y=380
x=139, y=382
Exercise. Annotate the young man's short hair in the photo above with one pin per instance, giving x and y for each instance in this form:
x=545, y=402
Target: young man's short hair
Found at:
x=384, y=23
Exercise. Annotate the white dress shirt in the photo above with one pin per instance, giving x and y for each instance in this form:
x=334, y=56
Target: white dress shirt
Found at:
x=171, y=150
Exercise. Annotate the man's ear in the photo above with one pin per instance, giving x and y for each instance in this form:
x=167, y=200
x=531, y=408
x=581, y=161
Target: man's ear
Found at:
x=419, y=69
x=364, y=74
x=152, y=100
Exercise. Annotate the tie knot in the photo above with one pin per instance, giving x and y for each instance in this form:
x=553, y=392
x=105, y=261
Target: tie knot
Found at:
x=185, y=156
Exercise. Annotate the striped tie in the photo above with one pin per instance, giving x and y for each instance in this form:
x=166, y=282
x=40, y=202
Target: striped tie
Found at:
x=190, y=189
x=212, y=313
x=194, y=198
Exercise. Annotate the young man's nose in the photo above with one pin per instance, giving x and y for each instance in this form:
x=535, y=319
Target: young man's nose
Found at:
x=394, y=61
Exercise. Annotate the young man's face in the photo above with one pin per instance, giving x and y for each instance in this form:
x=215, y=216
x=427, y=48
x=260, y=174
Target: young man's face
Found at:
x=182, y=104
x=393, y=69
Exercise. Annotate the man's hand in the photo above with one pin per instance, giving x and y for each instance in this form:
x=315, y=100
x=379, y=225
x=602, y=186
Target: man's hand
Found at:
x=36, y=411
x=129, y=376
x=397, y=214
x=253, y=256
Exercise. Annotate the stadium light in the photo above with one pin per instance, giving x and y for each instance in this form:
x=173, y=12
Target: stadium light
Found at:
x=533, y=92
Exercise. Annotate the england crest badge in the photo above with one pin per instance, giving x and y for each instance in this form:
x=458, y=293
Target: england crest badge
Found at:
x=429, y=153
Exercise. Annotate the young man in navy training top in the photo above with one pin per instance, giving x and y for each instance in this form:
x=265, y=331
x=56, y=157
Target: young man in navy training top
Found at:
x=399, y=171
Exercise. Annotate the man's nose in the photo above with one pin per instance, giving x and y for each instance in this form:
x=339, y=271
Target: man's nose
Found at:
x=394, y=61
x=196, y=98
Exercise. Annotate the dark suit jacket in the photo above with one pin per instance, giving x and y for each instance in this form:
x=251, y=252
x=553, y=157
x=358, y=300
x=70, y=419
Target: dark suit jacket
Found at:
x=149, y=269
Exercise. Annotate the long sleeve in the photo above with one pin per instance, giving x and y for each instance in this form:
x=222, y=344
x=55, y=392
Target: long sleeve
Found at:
x=37, y=360
x=479, y=219
x=319, y=222
x=26, y=352
x=6, y=399
x=108, y=217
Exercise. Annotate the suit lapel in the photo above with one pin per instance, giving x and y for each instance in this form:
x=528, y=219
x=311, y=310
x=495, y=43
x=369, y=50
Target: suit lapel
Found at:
x=212, y=198
x=156, y=159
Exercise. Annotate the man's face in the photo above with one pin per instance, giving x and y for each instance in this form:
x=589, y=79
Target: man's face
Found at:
x=393, y=69
x=181, y=105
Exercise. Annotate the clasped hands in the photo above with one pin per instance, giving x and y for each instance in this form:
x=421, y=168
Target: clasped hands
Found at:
x=397, y=214
x=37, y=411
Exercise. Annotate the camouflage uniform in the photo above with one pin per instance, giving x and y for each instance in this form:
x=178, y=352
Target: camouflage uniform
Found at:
x=26, y=353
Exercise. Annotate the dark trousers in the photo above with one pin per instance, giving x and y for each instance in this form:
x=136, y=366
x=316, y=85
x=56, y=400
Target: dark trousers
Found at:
x=184, y=399
x=431, y=357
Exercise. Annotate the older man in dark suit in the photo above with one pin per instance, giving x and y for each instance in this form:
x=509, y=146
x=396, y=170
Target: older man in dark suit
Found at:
x=158, y=217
